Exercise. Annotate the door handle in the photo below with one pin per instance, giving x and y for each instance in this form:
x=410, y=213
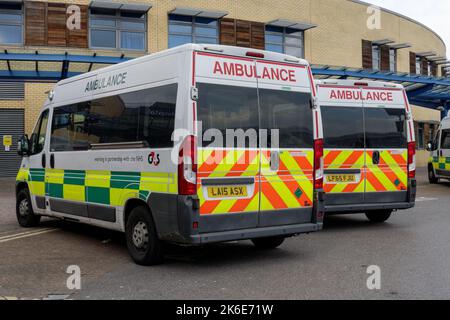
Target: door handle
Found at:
x=52, y=161
x=376, y=157
x=43, y=161
x=274, y=160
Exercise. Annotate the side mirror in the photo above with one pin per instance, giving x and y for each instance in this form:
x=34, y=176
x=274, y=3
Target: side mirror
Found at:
x=430, y=146
x=23, y=148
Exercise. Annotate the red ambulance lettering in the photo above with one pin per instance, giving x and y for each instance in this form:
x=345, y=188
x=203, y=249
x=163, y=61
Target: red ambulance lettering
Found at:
x=249, y=71
x=357, y=95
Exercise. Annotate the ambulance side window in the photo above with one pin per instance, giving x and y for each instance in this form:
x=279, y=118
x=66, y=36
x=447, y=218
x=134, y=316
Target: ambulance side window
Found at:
x=343, y=127
x=445, y=140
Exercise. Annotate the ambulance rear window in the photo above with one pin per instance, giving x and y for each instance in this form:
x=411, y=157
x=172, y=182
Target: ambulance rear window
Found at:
x=385, y=128
x=445, y=139
x=343, y=127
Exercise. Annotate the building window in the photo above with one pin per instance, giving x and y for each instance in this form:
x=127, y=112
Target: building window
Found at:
x=11, y=24
x=118, y=29
x=285, y=40
x=189, y=29
x=376, y=57
x=393, y=60
x=418, y=65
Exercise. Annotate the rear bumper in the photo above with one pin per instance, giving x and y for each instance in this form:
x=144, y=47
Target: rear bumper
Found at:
x=285, y=231
x=178, y=220
x=338, y=204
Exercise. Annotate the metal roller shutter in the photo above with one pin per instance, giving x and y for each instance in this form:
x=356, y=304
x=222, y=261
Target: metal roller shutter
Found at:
x=11, y=123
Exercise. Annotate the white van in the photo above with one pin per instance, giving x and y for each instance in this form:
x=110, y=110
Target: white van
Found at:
x=439, y=163
x=192, y=145
x=369, y=148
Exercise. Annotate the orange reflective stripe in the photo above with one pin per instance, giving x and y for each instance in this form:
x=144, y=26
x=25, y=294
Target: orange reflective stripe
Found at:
x=353, y=158
x=375, y=182
x=331, y=156
x=272, y=195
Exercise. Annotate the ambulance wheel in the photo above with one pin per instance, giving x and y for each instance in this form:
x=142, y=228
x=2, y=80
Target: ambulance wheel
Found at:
x=268, y=243
x=24, y=210
x=379, y=216
x=431, y=176
x=142, y=240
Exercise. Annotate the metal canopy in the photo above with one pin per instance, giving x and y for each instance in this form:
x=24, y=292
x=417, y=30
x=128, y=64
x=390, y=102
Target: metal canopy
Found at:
x=430, y=92
x=425, y=91
x=58, y=66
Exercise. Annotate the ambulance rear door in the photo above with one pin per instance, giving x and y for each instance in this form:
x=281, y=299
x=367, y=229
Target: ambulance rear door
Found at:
x=344, y=157
x=385, y=119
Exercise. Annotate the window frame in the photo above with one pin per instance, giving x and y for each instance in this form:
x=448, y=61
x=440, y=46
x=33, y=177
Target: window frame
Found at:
x=118, y=18
x=376, y=63
x=194, y=25
x=21, y=24
x=38, y=128
x=285, y=35
x=392, y=60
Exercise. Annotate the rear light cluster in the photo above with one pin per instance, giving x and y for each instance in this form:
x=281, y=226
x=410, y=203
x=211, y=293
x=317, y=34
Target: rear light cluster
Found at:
x=318, y=164
x=187, y=167
x=411, y=159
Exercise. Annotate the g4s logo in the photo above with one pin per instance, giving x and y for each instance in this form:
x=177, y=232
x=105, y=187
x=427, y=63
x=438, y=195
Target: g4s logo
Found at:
x=153, y=158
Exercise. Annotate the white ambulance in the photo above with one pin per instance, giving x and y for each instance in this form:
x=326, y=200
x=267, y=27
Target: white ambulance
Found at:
x=369, y=148
x=192, y=145
x=439, y=163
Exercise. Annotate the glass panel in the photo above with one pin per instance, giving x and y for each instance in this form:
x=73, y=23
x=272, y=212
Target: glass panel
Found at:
x=445, y=141
x=294, y=42
x=275, y=48
x=291, y=114
x=206, y=40
x=223, y=107
x=274, y=29
x=180, y=28
x=132, y=40
x=132, y=25
x=102, y=22
x=385, y=128
x=132, y=14
x=10, y=17
x=175, y=17
x=176, y=40
x=70, y=128
x=274, y=39
x=206, y=21
x=103, y=39
x=210, y=32
x=294, y=51
x=343, y=127
x=10, y=34
x=294, y=32
x=38, y=136
x=146, y=115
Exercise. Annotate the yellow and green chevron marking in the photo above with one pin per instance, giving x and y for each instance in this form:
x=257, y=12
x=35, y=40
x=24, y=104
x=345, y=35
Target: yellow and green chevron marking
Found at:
x=441, y=163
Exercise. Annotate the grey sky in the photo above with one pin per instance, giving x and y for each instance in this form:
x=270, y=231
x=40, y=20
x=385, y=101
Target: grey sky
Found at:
x=433, y=13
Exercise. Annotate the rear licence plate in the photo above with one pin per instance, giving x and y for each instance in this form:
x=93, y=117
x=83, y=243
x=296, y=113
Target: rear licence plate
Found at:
x=227, y=192
x=336, y=178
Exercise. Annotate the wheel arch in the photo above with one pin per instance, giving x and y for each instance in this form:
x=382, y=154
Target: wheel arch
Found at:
x=20, y=185
x=132, y=203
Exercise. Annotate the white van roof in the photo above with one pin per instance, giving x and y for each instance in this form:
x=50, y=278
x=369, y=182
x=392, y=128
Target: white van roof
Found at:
x=359, y=83
x=211, y=48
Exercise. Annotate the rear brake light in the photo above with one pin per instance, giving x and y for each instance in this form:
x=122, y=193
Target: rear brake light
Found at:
x=187, y=167
x=254, y=54
x=411, y=159
x=318, y=164
x=361, y=84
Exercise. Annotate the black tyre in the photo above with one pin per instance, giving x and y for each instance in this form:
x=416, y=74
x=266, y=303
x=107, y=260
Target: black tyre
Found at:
x=143, y=243
x=24, y=210
x=431, y=176
x=268, y=243
x=379, y=216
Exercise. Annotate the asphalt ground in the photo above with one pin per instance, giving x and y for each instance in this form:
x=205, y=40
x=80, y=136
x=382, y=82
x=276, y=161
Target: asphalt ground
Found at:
x=412, y=251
